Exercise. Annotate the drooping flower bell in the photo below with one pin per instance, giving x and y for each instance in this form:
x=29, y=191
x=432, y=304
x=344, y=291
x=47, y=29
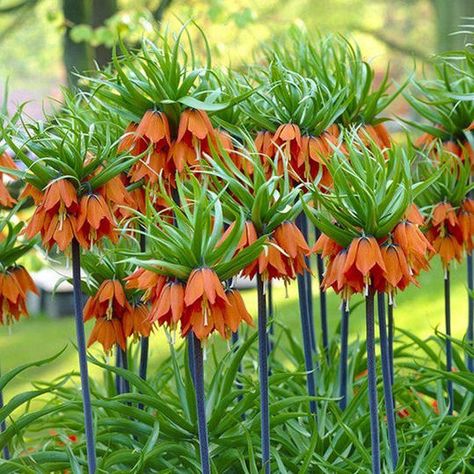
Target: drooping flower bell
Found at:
x=95, y=220
x=109, y=301
x=264, y=144
x=108, y=306
x=416, y=247
x=109, y=333
x=446, y=234
x=151, y=138
x=364, y=262
x=288, y=138
x=167, y=304
x=377, y=133
x=119, y=199
x=397, y=274
x=202, y=305
x=64, y=213
x=465, y=217
x=136, y=321
x=55, y=217
x=283, y=256
x=15, y=283
x=151, y=283
x=310, y=163
x=194, y=133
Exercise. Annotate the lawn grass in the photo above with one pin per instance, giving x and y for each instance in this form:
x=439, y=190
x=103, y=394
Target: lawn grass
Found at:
x=419, y=310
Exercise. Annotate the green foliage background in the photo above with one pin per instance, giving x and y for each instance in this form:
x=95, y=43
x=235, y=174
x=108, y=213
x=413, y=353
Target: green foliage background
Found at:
x=31, y=38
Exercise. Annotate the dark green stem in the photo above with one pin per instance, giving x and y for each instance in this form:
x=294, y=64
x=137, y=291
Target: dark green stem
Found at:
x=263, y=375
x=3, y=427
x=449, y=349
x=201, y=405
x=372, y=382
x=470, y=318
x=344, y=356
x=81, y=345
x=387, y=382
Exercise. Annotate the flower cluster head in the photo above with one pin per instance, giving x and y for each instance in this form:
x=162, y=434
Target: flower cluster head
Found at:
x=303, y=155
x=313, y=88
x=118, y=312
x=450, y=224
x=74, y=180
x=201, y=305
x=284, y=254
x=293, y=123
x=370, y=229
x=445, y=101
x=15, y=281
x=270, y=204
x=163, y=154
x=388, y=264
x=108, y=307
x=166, y=102
x=461, y=146
x=182, y=278
x=61, y=216
x=451, y=230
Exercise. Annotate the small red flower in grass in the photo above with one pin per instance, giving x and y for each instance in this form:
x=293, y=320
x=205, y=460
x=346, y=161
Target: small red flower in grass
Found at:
x=361, y=375
x=403, y=413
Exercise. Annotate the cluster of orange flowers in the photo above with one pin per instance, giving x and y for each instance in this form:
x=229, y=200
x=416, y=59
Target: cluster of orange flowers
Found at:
x=161, y=154
x=201, y=305
x=462, y=149
x=451, y=230
x=387, y=264
x=306, y=154
x=6, y=200
x=61, y=215
x=15, y=283
x=116, y=318
x=283, y=256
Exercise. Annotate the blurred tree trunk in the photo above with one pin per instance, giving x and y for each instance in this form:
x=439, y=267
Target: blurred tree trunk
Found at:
x=102, y=10
x=77, y=56
x=159, y=13
x=450, y=14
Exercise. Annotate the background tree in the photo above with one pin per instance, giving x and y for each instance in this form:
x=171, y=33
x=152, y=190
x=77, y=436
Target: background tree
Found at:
x=40, y=37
